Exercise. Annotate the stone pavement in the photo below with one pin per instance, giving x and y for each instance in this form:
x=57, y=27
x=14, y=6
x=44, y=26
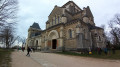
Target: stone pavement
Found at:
x=56, y=60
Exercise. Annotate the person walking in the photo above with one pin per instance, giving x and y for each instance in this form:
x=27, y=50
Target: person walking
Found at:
x=28, y=51
x=23, y=49
x=113, y=50
x=90, y=52
x=99, y=50
x=106, y=50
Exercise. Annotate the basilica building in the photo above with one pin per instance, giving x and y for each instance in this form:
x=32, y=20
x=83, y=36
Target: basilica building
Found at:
x=68, y=28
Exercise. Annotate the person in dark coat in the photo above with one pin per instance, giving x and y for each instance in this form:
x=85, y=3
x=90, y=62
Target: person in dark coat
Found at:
x=99, y=50
x=113, y=49
x=23, y=49
x=106, y=51
x=28, y=51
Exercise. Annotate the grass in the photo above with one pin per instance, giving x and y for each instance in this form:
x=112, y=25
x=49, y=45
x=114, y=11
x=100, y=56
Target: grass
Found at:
x=5, y=57
x=115, y=56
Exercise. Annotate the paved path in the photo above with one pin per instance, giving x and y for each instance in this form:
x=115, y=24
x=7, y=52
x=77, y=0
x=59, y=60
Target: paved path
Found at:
x=55, y=60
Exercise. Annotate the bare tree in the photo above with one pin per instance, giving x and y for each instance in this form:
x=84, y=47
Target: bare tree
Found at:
x=22, y=40
x=8, y=35
x=115, y=38
x=8, y=15
x=8, y=9
x=117, y=19
x=115, y=29
x=105, y=33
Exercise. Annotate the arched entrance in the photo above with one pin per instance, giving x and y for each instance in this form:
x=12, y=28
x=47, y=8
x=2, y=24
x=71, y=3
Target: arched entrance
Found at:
x=36, y=44
x=52, y=39
x=54, y=44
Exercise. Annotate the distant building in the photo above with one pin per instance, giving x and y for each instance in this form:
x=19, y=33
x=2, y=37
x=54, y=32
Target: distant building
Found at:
x=68, y=28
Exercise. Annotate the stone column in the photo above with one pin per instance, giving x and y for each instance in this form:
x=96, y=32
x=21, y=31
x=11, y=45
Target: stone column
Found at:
x=60, y=42
x=46, y=46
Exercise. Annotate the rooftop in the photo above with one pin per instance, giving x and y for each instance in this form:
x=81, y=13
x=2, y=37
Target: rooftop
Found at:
x=36, y=26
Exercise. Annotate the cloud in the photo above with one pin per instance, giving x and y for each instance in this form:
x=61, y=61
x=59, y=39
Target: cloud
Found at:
x=38, y=11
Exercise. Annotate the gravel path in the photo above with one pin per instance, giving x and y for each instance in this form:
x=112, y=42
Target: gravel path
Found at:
x=56, y=60
x=19, y=59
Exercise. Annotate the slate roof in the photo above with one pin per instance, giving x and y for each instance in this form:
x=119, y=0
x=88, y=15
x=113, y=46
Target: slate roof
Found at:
x=93, y=27
x=36, y=26
x=88, y=11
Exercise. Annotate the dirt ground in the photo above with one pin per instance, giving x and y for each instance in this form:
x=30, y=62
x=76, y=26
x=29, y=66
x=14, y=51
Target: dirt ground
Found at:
x=19, y=59
x=39, y=59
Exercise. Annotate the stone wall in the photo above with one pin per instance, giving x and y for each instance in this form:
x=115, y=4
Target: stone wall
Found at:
x=98, y=38
x=70, y=43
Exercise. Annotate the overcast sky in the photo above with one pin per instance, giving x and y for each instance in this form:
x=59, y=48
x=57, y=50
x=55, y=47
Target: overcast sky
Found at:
x=38, y=11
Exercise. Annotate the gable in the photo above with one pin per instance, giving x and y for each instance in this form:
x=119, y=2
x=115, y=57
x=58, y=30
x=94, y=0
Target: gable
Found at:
x=71, y=3
x=56, y=11
x=88, y=12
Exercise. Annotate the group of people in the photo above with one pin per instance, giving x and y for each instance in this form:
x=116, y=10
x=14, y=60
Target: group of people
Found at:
x=23, y=48
x=99, y=50
x=106, y=50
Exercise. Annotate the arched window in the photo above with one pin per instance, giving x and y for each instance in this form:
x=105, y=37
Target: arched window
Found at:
x=52, y=21
x=85, y=33
x=99, y=38
x=36, y=42
x=55, y=19
x=58, y=19
x=70, y=33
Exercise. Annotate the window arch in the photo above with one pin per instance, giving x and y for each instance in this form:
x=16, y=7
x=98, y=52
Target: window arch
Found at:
x=36, y=42
x=58, y=19
x=85, y=33
x=70, y=33
x=99, y=38
x=52, y=21
x=55, y=19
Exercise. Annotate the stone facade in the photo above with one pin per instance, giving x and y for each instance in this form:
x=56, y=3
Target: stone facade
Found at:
x=68, y=28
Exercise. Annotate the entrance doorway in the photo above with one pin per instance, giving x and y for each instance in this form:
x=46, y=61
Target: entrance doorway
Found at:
x=36, y=44
x=54, y=42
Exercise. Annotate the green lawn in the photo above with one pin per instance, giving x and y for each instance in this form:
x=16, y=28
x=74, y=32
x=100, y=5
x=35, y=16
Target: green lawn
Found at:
x=115, y=56
x=5, y=57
